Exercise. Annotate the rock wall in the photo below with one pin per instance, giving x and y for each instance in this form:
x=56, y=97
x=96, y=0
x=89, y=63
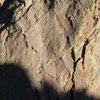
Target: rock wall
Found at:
x=54, y=40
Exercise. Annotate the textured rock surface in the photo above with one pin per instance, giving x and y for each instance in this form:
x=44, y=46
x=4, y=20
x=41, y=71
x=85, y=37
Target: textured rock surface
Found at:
x=54, y=40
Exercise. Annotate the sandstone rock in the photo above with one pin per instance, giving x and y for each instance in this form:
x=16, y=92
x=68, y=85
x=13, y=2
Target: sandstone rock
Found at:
x=40, y=36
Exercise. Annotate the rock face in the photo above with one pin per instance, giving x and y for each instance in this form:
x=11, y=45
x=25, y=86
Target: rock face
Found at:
x=56, y=41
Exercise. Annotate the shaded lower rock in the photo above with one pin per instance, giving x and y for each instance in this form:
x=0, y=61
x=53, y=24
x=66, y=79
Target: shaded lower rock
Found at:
x=15, y=85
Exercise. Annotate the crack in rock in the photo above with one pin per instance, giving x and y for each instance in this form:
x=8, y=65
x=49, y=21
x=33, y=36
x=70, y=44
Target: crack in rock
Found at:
x=25, y=40
x=34, y=49
x=73, y=56
x=72, y=94
x=72, y=25
x=86, y=42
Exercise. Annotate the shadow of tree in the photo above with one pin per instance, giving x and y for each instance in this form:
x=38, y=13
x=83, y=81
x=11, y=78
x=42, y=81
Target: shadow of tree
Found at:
x=15, y=85
x=7, y=12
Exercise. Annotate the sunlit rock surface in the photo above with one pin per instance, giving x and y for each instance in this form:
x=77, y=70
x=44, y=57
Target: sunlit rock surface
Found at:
x=57, y=41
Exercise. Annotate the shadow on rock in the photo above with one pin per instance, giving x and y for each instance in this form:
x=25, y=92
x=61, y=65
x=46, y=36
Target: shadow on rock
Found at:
x=7, y=11
x=15, y=85
x=50, y=4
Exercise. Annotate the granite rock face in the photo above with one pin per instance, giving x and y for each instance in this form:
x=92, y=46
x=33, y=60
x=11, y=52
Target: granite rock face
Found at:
x=56, y=41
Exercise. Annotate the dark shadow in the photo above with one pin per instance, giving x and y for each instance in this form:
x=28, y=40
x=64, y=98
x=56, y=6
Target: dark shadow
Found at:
x=7, y=12
x=15, y=85
x=74, y=58
x=75, y=3
x=71, y=23
x=86, y=42
x=73, y=54
x=68, y=40
x=50, y=4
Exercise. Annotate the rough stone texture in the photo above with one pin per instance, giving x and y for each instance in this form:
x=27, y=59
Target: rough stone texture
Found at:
x=41, y=35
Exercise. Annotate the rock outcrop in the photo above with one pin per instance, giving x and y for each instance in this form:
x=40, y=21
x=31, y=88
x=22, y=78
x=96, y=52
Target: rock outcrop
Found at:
x=56, y=41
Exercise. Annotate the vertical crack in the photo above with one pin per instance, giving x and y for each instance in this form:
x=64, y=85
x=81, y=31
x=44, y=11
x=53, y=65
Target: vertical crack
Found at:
x=72, y=93
x=75, y=61
x=71, y=23
x=86, y=42
x=72, y=26
x=25, y=40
